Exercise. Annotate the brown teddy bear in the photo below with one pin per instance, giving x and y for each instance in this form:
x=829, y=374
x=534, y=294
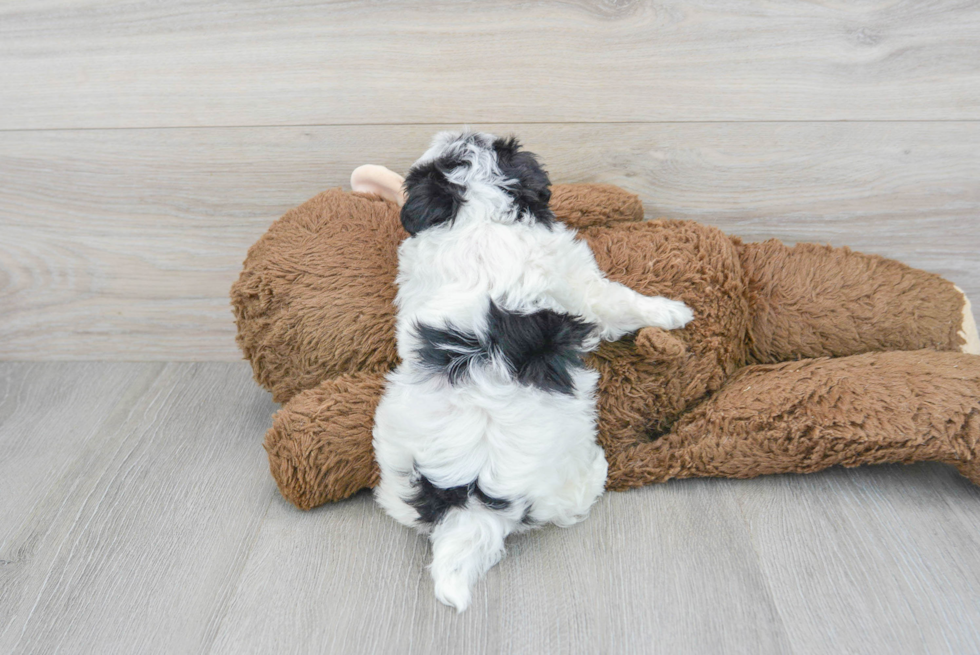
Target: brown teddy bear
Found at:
x=799, y=357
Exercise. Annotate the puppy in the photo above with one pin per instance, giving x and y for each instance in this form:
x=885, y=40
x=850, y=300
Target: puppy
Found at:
x=488, y=425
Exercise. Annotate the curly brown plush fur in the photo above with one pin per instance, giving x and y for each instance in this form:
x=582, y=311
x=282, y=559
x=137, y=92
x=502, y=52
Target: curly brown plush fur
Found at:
x=315, y=318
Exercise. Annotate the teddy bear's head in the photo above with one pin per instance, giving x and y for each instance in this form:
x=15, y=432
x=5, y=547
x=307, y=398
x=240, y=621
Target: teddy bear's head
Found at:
x=315, y=297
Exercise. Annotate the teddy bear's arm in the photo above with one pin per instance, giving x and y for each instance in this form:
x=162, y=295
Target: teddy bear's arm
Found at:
x=319, y=445
x=800, y=417
x=814, y=301
x=585, y=205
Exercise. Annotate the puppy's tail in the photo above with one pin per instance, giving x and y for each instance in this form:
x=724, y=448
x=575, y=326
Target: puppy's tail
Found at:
x=466, y=543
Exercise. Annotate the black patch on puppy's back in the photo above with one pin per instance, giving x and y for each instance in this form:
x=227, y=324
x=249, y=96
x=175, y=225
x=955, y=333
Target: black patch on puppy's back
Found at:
x=431, y=199
x=432, y=502
x=540, y=348
x=490, y=501
x=448, y=350
x=531, y=190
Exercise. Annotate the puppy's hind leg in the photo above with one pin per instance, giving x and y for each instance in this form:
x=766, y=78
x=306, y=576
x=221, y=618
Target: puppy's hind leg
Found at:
x=622, y=310
x=466, y=544
x=579, y=285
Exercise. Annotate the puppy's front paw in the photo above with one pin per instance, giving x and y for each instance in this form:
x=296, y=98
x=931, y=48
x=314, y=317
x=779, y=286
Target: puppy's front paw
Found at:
x=666, y=314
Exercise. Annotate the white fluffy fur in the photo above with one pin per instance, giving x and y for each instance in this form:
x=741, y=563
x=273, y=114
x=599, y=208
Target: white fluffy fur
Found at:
x=534, y=448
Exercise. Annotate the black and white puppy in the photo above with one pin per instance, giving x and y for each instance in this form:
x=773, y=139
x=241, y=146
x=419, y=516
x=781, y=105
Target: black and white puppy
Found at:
x=488, y=425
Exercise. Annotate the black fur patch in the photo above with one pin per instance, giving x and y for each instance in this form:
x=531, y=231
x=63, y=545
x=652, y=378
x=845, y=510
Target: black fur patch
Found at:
x=432, y=502
x=449, y=351
x=540, y=349
x=526, y=519
x=532, y=191
x=431, y=199
x=490, y=501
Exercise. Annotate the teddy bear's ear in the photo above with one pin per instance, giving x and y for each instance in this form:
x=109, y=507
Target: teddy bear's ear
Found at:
x=431, y=199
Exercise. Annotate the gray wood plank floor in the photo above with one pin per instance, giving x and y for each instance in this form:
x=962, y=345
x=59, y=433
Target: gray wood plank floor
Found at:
x=137, y=515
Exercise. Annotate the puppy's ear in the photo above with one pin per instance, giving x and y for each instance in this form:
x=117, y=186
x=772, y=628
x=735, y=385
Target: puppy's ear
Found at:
x=532, y=191
x=431, y=198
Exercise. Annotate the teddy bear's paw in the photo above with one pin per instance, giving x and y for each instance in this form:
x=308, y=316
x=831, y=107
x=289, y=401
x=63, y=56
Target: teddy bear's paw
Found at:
x=968, y=329
x=657, y=345
x=665, y=313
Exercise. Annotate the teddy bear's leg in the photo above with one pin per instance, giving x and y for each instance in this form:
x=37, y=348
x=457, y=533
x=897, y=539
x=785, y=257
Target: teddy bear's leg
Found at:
x=816, y=301
x=319, y=444
x=808, y=415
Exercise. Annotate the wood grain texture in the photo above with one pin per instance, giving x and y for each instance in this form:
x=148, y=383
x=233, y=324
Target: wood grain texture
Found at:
x=152, y=526
x=137, y=542
x=637, y=577
x=884, y=560
x=68, y=63
x=122, y=244
x=50, y=417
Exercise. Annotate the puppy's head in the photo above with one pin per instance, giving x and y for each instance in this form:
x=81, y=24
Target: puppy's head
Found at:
x=479, y=175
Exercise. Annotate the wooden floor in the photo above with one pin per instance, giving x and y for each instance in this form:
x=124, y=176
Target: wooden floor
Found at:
x=138, y=516
x=144, y=147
